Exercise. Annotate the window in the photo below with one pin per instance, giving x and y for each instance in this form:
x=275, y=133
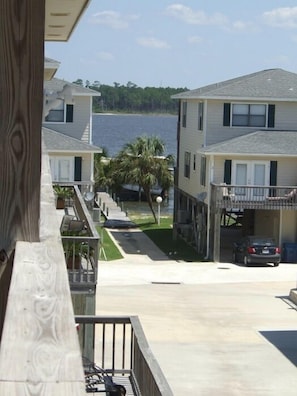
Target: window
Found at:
x=253, y=115
x=184, y=114
x=194, y=162
x=187, y=164
x=200, y=116
x=60, y=113
x=203, y=171
x=249, y=115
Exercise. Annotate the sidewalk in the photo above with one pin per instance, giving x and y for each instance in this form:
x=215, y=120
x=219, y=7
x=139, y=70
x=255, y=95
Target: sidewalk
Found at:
x=215, y=328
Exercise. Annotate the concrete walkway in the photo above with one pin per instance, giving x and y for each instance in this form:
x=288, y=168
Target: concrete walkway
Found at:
x=215, y=329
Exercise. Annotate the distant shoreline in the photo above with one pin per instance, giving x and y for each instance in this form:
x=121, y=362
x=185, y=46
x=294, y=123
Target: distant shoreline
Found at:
x=137, y=114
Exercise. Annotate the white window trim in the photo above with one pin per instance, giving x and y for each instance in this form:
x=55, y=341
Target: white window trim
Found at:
x=248, y=126
x=64, y=116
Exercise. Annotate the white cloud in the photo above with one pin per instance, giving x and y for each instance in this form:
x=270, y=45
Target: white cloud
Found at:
x=152, y=42
x=285, y=17
x=104, y=56
x=241, y=25
x=195, y=40
x=113, y=19
x=188, y=15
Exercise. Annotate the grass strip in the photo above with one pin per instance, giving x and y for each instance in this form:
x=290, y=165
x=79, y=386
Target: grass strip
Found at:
x=107, y=246
x=162, y=236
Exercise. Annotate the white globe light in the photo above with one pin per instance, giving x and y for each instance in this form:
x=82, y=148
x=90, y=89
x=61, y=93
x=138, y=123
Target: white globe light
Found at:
x=159, y=200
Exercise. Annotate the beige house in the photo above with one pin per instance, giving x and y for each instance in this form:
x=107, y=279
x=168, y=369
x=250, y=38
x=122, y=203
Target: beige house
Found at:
x=237, y=158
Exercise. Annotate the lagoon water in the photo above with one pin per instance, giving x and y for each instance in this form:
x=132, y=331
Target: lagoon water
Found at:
x=112, y=132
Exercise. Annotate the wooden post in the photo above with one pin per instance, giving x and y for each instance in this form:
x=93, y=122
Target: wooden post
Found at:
x=21, y=99
x=216, y=235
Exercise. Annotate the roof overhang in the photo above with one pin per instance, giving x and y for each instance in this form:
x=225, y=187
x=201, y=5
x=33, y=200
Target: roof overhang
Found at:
x=61, y=17
x=50, y=68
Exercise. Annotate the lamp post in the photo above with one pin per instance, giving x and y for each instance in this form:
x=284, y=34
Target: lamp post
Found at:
x=159, y=201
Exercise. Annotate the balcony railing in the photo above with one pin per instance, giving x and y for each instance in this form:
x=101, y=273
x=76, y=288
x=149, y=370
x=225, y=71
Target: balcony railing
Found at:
x=81, y=248
x=121, y=349
x=39, y=350
x=254, y=197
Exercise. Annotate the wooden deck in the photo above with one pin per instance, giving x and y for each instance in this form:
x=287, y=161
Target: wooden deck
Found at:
x=122, y=351
x=254, y=197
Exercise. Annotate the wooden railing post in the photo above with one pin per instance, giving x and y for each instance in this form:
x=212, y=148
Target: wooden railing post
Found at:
x=21, y=101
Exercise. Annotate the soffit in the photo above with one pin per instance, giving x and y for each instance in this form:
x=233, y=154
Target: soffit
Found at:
x=61, y=17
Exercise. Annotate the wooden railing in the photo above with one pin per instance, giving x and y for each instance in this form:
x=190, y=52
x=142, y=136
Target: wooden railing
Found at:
x=39, y=350
x=120, y=348
x=254, y=197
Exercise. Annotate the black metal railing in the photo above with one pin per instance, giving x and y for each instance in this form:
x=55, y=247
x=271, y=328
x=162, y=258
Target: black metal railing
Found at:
x=120, y=348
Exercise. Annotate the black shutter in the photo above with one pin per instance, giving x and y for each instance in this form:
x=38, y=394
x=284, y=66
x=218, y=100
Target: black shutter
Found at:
x=273, y=178
x=69, y=113
x=273, y=173
x=227, y=108
x=77, y=168
x=271, y=113
x=227, y=171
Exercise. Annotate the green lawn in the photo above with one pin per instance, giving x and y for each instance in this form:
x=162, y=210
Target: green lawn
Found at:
x=107, y=246
x=162, y=236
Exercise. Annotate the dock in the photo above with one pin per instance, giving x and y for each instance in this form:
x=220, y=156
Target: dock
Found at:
x=115, y=217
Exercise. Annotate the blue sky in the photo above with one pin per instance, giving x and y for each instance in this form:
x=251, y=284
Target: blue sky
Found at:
x=189, y=44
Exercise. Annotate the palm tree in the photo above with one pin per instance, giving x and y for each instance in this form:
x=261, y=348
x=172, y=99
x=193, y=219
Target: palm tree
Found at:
x=142, y=162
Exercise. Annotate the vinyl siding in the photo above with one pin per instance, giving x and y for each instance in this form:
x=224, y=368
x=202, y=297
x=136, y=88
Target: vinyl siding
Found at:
x=86, y=167
x=216, y=132
x=80, y=127
x=285, y=119
x=286, y=172
x=286, y=169
x=286, y=116
x=86, y=163
x=191, y=140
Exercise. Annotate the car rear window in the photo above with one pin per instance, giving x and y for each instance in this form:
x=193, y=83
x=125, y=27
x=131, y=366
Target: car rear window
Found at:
x=262, y=241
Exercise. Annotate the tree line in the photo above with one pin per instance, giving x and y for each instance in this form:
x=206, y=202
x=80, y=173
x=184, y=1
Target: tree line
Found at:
x=130, y=98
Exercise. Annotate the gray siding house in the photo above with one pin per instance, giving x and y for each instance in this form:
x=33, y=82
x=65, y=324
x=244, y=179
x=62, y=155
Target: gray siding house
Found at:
x=67, y=129
x=237, y=158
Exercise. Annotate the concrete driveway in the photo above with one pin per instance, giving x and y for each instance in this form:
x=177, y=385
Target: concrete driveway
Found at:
x=215, y=329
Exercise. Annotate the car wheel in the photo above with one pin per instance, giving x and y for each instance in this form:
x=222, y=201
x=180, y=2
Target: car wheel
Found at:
x=245, y=261
x=276, y=264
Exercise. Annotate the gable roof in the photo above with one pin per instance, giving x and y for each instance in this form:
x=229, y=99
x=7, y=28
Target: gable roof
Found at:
x=57, y=85
x=264, y=143
x=58, y=142
x=269, y=84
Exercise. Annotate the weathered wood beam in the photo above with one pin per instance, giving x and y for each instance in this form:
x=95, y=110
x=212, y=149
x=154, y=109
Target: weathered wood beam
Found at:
x=21, y=99
x=39, y=350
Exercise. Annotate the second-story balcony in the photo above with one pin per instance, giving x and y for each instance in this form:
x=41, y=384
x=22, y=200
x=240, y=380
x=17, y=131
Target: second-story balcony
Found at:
x=253, y=197
x=80, y=241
